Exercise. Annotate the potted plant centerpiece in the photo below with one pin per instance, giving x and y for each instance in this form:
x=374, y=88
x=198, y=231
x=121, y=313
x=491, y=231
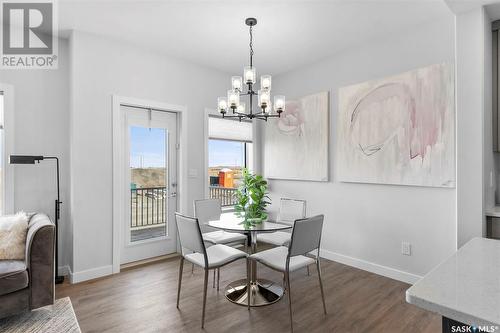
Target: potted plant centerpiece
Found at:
x=252, y=198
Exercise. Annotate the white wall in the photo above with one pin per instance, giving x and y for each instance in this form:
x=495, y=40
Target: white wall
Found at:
x=470, y=55
x=365, y=223
x=100, y=68
x=41, y=115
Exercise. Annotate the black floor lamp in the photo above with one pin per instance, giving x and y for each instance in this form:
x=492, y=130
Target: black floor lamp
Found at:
x=25, y=159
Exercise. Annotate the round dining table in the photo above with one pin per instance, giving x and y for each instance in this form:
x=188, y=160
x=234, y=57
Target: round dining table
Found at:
x=264, y=292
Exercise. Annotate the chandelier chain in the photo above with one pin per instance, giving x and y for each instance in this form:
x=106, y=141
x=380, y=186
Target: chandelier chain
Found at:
x=251, y=46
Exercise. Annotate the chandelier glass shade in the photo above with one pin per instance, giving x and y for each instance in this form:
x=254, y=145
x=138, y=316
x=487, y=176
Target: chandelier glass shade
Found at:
x=231, y=105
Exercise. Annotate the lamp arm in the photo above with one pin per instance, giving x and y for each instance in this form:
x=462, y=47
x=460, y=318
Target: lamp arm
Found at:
x=58, y=210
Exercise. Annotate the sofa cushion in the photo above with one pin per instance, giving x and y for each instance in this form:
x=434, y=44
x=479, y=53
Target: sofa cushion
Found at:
x=13, y=276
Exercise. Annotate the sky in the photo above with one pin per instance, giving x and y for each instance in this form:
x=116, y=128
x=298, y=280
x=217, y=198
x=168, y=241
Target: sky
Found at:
x=149, y=146
x=225, y=153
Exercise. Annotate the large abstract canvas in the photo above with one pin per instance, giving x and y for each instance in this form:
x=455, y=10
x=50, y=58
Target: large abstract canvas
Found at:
x=399, y=130
x=296, y=145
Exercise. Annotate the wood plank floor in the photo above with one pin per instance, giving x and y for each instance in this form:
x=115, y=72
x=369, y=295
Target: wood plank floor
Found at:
x=143, y=299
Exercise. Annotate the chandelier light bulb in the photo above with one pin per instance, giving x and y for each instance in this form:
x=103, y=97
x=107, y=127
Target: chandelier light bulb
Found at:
x=264, y=98
x=233, y=98
x=279, y=103
x=236, y=83
x=265, y=82
x=250, y=74
x=222, y=104
x=241, y=108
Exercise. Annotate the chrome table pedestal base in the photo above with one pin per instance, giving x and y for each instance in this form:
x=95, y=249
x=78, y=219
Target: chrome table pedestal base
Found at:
x=264, y=292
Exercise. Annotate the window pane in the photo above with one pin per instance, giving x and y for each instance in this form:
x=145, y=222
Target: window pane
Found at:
x=148, y=175
x=226, y=160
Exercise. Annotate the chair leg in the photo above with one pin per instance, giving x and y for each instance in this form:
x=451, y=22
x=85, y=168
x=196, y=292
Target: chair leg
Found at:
x=213, y=284
x=192, y=268
x=218, y=278
x=204, y=298
x=321, y=285
x=181, y=267
x=308, y=272
x=249, y=293
x=287, y=277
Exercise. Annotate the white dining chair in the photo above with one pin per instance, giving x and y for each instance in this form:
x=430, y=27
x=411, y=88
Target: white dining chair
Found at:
x=289, y=211
x=193, y=249
x=208, y=210
x=306, y=237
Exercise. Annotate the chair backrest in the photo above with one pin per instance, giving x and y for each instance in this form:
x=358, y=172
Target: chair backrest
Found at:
x=291, y=210
x=306, y=235
x=190, y=234
x=207, y=210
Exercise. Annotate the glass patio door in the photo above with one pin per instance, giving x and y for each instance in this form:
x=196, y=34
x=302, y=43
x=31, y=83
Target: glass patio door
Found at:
x=151, y=181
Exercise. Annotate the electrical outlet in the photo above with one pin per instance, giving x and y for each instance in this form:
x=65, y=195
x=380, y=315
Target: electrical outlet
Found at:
x=406, y=248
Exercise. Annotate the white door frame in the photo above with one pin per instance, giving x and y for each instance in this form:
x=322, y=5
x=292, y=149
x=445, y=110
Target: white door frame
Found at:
x=118, y=170
x=8, y=146
x=208, y=113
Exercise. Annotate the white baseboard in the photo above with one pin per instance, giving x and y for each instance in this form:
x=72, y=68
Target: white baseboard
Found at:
x=371, y=267
x=90, y=274
x=94, y=273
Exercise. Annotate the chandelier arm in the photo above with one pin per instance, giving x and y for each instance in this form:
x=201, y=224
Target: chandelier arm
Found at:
x=261, y=113
x=233, y=116
x=237, y=114
x=267, y=116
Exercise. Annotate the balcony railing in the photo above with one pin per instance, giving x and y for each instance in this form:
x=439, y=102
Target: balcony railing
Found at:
x=147, y=207
x=225, y=194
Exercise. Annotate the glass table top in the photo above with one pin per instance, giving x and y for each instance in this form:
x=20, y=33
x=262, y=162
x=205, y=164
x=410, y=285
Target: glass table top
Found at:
x=231, y=222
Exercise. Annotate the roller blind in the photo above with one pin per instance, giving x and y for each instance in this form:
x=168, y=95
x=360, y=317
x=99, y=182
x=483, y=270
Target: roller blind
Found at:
x=227, y=129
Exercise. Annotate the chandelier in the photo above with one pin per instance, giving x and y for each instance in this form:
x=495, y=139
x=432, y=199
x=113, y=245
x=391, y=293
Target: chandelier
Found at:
x=232, y=107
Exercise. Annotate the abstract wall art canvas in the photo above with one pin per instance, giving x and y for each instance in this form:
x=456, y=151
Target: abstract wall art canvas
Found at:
x=296, y=144
x=399, y=130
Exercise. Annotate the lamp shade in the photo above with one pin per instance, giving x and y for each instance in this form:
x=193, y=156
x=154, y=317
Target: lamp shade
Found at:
x=24, y=159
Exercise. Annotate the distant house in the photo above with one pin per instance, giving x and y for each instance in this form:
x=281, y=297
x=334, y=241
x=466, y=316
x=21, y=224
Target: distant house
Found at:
x=226, y=178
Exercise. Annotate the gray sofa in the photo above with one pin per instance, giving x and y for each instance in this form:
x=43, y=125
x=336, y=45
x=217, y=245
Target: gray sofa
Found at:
x=29, y=284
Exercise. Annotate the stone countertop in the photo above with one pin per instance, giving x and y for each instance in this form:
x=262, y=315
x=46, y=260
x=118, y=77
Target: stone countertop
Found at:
x=465, y=287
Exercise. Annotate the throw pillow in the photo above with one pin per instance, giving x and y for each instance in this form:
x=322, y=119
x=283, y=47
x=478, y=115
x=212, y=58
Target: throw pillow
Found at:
x=13, y=231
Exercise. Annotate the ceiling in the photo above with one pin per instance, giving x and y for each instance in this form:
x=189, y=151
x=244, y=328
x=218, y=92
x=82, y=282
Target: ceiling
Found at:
x=289, y=34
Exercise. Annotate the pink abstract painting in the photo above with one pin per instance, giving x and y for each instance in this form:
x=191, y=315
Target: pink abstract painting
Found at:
x=399, y=130
x=296, y=144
